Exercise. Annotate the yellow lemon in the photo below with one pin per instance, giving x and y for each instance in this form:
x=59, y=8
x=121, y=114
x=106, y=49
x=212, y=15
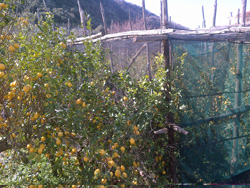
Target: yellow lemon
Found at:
x=122, y=168
x=1, y=74
x=58, y=142
x=97, y=171
x=122, y=149
x=118, y=173
x=12, y=48
x=16, y=46
x=102, y=152
x=132, y=141
x=2, y=66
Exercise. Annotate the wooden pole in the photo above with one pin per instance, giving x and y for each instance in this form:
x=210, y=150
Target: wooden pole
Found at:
x=161, y=14
x=130, y=22
x=238, y=17
x=169, y=119
x=135, y=56
x=203, y=15
x=164, y=14
x=111, y=58
x=215, y=12
x=38, y=15
x=82, y=17
x=244, y=6
x=103, y=18
x=68, y=26
x=148, y=62
x=144, y=14
x=237, y=105
x=45, y=6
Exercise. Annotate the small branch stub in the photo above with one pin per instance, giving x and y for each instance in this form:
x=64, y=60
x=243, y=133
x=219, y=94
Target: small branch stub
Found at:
x=173, y=127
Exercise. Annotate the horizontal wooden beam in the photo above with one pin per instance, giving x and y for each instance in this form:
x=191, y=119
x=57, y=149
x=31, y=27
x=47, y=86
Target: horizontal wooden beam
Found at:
x=222, y=33
x=123, y=35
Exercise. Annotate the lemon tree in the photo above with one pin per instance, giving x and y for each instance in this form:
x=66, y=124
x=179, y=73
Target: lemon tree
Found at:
x=66, y=119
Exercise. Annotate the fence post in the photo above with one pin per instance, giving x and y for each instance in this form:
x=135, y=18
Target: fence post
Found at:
x=244, y=6
x=169, y=116
x=144, y=14
x=103, y=18
x=82, y=17
x=215, y=12
x=203, y=15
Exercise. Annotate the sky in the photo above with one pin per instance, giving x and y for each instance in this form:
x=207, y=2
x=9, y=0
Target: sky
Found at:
x=189, y=12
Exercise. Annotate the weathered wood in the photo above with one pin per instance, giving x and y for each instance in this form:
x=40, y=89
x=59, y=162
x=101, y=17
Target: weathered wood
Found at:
x=82, y=39
x=144, y=14
x=238, y=17
x=130, y=21
x=103, y=18
x=69, y=26
x=44, y=3
x=174, y=127
x=124, y=35
x=148, y=62
x=161, y=14
x=150, y=38
x=221, y=33
x=111, y=58
x=203, y=16
x=82, y=18
x=244, y=6
x=135, y=56
x=215, y=12
x=164, y=14
x=38, y=14
x=169, y=119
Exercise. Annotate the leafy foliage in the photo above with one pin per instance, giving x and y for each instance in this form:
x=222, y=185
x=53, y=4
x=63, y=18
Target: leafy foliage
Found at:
x=66, y=119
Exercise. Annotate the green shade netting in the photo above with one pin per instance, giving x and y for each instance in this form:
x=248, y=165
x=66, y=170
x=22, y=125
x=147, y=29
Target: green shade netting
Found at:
x=215, y=90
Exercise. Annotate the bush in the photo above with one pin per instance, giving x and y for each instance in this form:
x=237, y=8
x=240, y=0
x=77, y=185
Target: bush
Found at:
x=66, y=119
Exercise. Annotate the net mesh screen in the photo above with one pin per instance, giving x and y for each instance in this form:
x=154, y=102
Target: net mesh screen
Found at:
x=215, y=86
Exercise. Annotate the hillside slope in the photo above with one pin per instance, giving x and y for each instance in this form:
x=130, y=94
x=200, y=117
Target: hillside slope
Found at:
x=116, y=10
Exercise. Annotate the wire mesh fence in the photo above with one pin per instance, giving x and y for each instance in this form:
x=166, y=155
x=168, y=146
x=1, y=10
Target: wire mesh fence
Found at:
x=215, y=86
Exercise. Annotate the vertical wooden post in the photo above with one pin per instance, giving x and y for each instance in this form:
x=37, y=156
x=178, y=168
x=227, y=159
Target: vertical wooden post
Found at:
x=68, y=26
x=161, y=14
x=82, y=17
x=238, y=17
x=203, y=15
x=38, y=15
x=215, y=12
x=147, y=47
x=45, y=6
x=237, y=104
x=169, y=116
x=130, y=22
x=230, y=18
x=148, y=62
x=103, y=17
x=111, y=58
x=111, y=26
x=164, y=14
x=244, y=6
x=144, y=14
